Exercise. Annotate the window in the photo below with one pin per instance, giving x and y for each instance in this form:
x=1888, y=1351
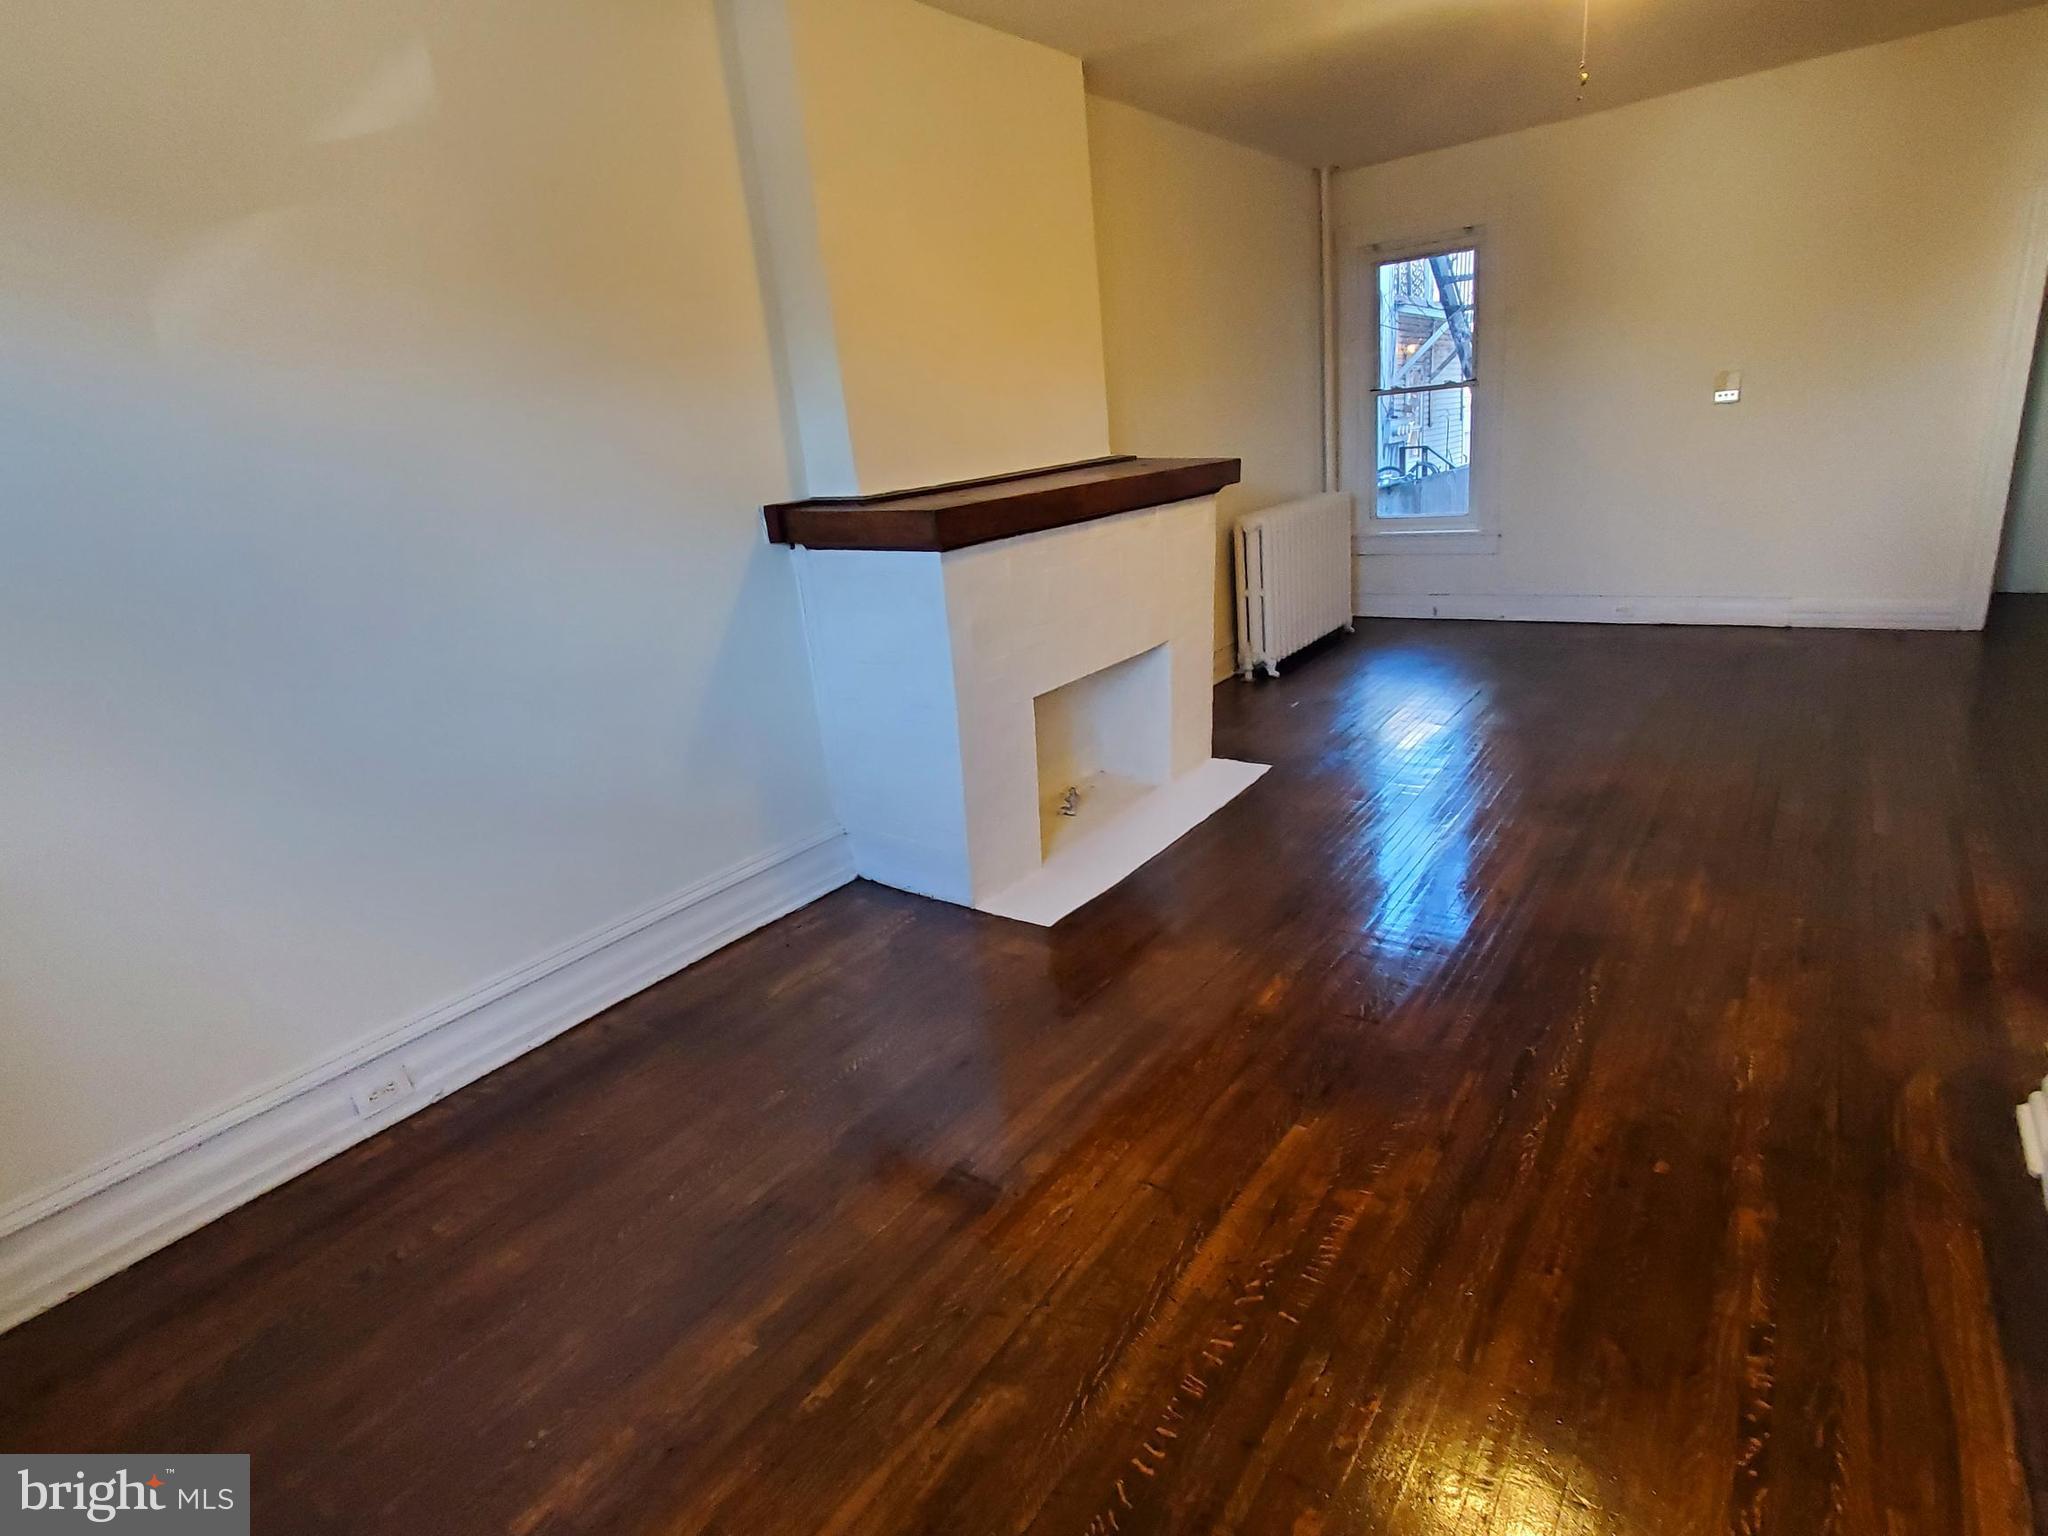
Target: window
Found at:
x=1423, y=418
x=1412, y=456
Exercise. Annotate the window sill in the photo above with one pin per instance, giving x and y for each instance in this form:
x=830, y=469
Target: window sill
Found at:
x=1427, y=541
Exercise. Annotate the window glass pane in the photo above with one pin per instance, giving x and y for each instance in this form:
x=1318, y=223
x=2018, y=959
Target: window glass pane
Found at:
x=1425, y=453
x=1423, y=420
x=1425, y=320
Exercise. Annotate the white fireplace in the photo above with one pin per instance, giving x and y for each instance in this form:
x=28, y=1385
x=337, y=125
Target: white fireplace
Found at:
x=1018, y=724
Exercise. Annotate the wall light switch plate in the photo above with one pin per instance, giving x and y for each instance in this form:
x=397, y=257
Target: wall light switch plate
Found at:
x=1728, y=386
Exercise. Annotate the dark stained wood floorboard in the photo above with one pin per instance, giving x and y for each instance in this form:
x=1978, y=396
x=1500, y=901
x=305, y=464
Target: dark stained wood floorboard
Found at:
x=1571, y=1093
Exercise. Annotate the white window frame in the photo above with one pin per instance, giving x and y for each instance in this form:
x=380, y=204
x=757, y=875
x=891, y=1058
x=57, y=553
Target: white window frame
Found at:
x=1478, y=531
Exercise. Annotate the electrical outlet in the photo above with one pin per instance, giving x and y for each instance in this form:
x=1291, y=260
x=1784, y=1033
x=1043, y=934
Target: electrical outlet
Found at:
x=376, y=1092
x=1728, y=386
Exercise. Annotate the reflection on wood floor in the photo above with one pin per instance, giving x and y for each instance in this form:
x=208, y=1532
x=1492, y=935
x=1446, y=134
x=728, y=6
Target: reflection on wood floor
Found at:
x=1571, y=1093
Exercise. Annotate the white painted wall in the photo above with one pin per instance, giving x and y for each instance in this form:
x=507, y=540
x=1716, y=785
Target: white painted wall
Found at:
x=923, y=186
x=1210, y=294
x=1848, y=232
x=2023, y=560
x=385, y=407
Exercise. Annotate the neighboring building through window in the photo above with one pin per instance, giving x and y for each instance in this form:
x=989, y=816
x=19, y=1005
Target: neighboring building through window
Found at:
x=1426, y=371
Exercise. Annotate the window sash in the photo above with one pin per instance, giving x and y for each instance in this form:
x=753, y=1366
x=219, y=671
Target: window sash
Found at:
x=1429, y=389
x=1400, y=256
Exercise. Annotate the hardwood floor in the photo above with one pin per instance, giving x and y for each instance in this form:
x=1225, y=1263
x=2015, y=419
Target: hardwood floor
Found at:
x=1571, y=1093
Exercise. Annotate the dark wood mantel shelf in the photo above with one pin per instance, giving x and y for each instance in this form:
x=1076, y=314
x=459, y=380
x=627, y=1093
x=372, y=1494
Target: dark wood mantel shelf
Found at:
x=968, y=512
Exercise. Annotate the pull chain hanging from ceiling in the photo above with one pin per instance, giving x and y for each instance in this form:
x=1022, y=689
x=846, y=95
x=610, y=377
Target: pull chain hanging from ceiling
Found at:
x=1585, y=35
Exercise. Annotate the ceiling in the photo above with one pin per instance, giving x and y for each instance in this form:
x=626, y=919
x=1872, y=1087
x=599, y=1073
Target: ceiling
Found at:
x=1352, y=82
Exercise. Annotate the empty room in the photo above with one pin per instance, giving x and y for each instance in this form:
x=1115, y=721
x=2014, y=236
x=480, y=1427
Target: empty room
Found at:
x=778, y=767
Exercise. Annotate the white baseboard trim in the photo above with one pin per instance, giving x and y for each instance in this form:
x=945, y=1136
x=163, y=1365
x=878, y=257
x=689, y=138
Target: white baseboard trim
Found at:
x=56, y=1242
x=1573, y=608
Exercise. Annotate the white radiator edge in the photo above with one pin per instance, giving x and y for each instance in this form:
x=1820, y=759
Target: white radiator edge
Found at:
x=2032, y=1116
x=1292, y=591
